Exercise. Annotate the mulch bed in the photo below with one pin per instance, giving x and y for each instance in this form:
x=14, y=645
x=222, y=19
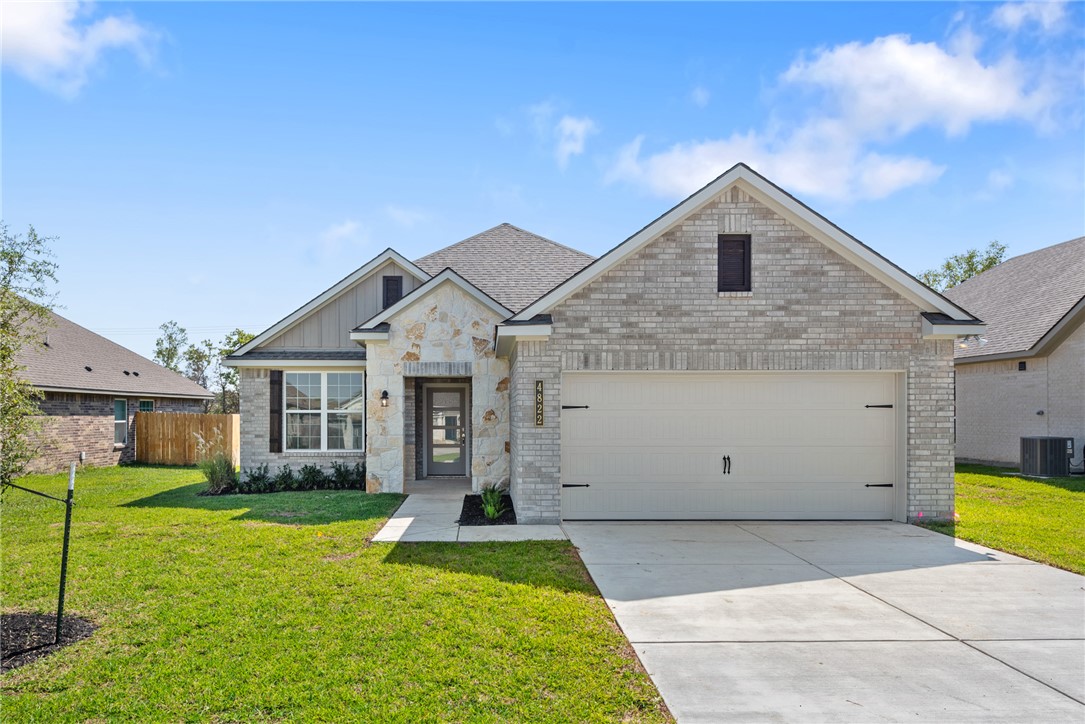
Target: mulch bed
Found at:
x=26, y=637
x=472, y=512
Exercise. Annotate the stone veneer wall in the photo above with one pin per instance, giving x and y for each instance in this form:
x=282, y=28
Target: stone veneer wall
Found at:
x=444, y=334
x=809, y=309
x=254, y=387
x=80, y=422
x=997, y=403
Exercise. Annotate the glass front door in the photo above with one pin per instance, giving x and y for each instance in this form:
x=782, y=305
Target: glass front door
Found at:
x=446, y=433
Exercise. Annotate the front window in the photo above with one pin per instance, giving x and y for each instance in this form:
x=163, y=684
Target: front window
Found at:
x=324, y=411
x=120, y=422
x=146, y=405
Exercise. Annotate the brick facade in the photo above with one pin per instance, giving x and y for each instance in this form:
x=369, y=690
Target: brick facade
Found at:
x=809, y=309
x=997, y=404
x=81, y=422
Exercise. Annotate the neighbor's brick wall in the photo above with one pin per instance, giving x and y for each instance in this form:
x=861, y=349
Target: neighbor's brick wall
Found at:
x=78, y=422
x=254, y=387
x=997, y=403
x=809, y=310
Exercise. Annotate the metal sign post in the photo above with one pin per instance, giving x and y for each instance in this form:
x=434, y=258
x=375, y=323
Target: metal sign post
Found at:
x=64, y=554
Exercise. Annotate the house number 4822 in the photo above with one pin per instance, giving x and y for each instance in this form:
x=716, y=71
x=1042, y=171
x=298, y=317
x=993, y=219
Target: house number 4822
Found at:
x=539, y=417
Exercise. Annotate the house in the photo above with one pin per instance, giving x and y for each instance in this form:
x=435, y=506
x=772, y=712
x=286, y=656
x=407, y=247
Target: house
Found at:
x=93, y=388
x=1026, y=375
x=738, y=357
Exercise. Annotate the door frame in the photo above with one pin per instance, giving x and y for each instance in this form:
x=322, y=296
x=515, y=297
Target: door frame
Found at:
x=427, y=437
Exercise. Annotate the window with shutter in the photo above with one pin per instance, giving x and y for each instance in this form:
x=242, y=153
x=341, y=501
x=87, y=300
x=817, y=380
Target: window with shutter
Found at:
x=733, y=259
x=275, y=421
x=393, y=290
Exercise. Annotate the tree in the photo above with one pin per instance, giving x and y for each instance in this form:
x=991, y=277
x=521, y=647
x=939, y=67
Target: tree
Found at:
x=199, y=362
x=959, y=267
x=169, y=348
x=228, y=399
x=26, y=271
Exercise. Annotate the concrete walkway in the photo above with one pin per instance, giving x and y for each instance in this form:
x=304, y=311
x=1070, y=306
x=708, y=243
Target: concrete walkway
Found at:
x=430, y=513
x=841, y=622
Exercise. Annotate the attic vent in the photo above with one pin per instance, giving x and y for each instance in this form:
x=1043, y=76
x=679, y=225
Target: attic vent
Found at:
x=126, y=373
x=87, y=368
x=136, y=374
x=1021, y=366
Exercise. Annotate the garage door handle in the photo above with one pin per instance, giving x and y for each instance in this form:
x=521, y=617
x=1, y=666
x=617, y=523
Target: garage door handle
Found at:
x=574, y=407
x=878, y=485
x=886, y=406
x=575, y=485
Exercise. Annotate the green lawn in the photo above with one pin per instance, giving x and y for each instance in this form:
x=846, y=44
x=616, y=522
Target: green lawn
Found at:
x=1042, y=520
x=277, y=608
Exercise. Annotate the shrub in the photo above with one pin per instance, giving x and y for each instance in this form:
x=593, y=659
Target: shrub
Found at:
x=257, y=480
x=347, y=477
x=216, y=464
x=312, y=478
x=493, y=502
x=283, y=480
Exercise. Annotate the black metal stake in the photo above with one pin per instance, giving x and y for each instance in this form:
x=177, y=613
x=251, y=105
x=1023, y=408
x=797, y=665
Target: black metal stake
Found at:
x=64, y=554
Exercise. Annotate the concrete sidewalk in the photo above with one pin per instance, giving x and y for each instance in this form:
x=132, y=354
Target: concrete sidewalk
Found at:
x=431, y=511
x=841, y=622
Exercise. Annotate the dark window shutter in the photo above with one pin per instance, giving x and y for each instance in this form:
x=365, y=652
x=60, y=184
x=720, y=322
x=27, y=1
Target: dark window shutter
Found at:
x=393, y=290
x=275, y=421
x=733, y=260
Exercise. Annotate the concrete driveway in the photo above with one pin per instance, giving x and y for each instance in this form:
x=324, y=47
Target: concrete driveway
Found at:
x=839, y=622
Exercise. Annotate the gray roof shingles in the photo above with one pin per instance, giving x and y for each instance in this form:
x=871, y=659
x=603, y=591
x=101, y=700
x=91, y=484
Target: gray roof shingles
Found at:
x=513, y=266
x=71, y=349
x=1022, y=298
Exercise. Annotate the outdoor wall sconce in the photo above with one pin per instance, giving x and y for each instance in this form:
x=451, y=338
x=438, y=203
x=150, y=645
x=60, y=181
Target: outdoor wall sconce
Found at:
x=384, y=399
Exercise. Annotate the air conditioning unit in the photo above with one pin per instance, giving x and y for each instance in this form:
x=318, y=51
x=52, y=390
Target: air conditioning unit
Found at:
x=1046, y=456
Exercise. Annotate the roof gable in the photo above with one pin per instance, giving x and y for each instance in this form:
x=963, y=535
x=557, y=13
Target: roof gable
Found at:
x=511, y=265
x=447, y=276
x=341, y=287
x=76, y=359
x=782, y=203
x=1024, y=299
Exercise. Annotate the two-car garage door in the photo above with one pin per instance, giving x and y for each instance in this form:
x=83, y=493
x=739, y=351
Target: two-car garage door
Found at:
x=668, y=445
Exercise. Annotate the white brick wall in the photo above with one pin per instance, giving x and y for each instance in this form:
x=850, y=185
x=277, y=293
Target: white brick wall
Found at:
x=809, y=310
x=997, y=403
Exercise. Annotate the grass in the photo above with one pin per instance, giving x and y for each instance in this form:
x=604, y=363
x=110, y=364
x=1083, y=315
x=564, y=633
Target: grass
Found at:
x=1039, y=519
x=276, y=607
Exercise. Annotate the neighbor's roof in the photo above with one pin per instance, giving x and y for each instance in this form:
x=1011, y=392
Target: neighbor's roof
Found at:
x=62, y=365
x=1023, y=298
x=513, y=266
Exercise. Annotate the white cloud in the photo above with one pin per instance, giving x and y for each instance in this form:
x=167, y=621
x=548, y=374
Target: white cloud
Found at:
x=337, y=236
x=55, y=45
x=572, y=136
x=1013, y=16
x=864, y=96
x=999, y=179
x=700, y=96
x=404, y=216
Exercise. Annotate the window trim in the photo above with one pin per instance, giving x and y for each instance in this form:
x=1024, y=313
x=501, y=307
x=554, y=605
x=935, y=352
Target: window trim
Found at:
x=322, y=411
x=140, y=406
x=120, y=422
x=747, y=285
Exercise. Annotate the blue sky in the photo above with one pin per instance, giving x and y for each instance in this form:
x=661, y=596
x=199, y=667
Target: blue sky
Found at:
x=219, y=164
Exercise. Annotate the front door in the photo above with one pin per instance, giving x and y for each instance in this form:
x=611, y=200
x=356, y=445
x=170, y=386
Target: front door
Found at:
x=446, y=431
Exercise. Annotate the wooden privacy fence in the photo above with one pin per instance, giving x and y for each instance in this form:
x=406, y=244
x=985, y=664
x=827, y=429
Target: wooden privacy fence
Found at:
x=169, y=438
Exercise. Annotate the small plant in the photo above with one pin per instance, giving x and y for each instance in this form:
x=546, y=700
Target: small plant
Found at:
x=347, y=477
x=256, y=480
x=493, y=502
x=311, y=478
x=216, y=464
x=284, y=479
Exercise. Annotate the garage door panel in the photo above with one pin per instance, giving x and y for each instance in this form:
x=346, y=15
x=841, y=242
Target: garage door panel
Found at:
x=800, y=445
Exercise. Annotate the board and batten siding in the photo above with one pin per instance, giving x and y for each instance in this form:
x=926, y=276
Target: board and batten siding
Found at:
x=809, y=309
x=329, y=326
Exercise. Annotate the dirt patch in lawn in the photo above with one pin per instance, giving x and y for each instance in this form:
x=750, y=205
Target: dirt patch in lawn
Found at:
x=26, y=637
x=472, y=514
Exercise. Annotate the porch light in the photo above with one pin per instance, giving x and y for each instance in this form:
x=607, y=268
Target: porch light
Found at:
x=384, y=399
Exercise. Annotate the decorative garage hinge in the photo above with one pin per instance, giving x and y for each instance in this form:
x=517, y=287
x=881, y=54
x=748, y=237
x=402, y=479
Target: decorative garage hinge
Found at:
x=878, y=485
x=574, y=407
x=575, y=485
x=887, y=406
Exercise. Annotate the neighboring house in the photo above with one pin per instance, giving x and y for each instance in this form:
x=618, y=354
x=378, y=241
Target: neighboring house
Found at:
x=739, y=357
x=1026, y=375
x=93, y=388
